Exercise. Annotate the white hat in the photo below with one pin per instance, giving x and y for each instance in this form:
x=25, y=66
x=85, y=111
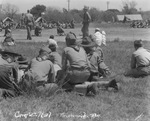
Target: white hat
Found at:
x=97, y=29
x=103, y=32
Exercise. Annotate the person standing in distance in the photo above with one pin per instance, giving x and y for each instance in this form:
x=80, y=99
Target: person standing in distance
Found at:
x=86, y=22
x=29, y=22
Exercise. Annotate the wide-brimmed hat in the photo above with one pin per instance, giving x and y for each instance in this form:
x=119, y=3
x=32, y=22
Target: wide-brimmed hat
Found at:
x=22, y=60
x=86, y=8
x=9, y=52
x=87, y=42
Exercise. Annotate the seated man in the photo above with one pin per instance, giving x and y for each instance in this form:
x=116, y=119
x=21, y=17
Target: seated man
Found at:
x=55, y=58
x=8, y=76
x=140, y=61
x=78, y=70
x=60, y=31
x=8, y=41
x=98, y=67
x=38, y=30
x=52, y=41
x=40, y=73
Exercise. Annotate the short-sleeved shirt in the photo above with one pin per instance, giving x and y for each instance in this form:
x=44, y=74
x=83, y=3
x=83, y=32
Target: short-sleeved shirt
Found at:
x=43, y=69
x=140, y=58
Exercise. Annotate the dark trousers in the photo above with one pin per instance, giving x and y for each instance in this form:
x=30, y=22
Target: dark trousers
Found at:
x=85, y=30
x=29, y=27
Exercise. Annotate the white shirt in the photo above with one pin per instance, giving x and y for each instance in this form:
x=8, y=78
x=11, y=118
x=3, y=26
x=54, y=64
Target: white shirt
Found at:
x=98, y=38
x=52, y=41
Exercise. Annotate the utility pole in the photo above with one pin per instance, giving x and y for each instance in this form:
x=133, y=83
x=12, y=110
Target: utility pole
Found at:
x=107, y=5
x=68, y=5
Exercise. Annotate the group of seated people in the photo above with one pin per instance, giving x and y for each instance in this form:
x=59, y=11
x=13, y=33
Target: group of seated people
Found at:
x=81, y=68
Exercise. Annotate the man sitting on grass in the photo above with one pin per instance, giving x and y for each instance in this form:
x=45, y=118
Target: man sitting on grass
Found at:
x=78, y=70
x=52, y=41
x=98, y=67
x=8, y=75
x=55, y=58
x=140, y=61
x=40, y=74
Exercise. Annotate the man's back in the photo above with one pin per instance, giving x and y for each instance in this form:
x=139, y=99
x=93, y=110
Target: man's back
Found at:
x=142, y=57
x=28, y=18
x=41, y=68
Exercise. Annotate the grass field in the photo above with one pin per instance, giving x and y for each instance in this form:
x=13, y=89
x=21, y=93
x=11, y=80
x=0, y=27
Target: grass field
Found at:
x=130, y=103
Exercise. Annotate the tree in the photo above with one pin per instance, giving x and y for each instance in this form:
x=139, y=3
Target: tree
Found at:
x=10, y=10
x=37, y=10
x=129, y=7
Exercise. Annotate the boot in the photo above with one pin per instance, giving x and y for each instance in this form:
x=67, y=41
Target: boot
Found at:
x=113, y=84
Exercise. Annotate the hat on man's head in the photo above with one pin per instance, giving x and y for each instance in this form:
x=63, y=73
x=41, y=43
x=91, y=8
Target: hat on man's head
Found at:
x=45, y=49
x=9, y=52
x=71, y=38
x=86, y=8
x=138, y=43
x=87, y=42
x=22, y=60
x=97, y=29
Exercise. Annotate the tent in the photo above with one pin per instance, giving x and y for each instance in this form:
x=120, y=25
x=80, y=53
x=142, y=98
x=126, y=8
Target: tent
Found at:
x=40, y=19
x=7, y=19
x=129, y=17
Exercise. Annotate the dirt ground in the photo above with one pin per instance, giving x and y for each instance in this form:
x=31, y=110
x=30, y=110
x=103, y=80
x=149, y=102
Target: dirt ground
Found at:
x=123, y=33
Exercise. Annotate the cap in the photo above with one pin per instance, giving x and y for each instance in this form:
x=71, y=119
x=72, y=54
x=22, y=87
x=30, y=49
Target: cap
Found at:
x=97, y=29
x=71, y=38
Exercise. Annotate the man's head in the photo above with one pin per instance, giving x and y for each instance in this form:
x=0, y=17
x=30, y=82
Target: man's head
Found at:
x=85, y=8
x=44, y=52
x=88, y=44
x=52, y=37
x=52, y=46
x=70, y=39
x=138, y=44
x=28, y=11
x=97, y=30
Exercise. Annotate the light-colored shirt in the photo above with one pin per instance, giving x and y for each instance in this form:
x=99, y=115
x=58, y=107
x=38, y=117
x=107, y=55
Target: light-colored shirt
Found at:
x=98, y=38
x=140, y=58
x=76, y=58
x=29, y=18
x=43, y=69
x=52, y=41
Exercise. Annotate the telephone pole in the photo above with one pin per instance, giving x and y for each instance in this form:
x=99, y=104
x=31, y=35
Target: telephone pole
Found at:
x=107, y=5
x=68, y=5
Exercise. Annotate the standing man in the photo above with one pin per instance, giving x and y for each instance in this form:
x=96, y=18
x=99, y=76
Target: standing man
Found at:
x=86, y=22
x=29, y=22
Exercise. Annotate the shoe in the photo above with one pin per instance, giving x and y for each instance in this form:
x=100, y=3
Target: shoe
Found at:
x=113, y=84
x=92, y=89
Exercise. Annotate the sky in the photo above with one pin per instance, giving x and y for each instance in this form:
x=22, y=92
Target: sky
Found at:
x=24, y=5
